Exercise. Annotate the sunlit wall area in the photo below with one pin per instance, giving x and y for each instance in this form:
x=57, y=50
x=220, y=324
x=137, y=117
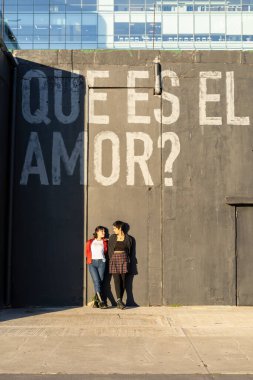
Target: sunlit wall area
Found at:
x=122, y=24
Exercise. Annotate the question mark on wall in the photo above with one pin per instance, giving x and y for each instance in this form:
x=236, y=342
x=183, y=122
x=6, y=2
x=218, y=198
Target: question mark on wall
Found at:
x=175, y=150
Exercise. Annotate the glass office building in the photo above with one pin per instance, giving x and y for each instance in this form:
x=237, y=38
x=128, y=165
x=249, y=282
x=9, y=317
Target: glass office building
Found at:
x=127, y=24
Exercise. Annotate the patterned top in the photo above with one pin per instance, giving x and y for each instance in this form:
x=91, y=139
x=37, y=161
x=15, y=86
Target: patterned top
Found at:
x=120, y=246
x=112, y=243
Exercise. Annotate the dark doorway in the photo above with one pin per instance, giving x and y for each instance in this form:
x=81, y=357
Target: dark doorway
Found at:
x=244, y=255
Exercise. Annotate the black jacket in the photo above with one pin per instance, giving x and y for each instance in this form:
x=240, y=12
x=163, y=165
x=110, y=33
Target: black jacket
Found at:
x=112, y=242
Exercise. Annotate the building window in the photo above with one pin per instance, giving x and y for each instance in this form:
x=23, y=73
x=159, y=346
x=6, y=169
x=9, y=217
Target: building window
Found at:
x=57, y=24
x=57, y=2
x=25, y=25
x=247, y=38
x=73, y=27
x=150, y=5
x=41, y=24
x=121, y=28
x=25, y=6
x=57, y=6
x=137, y=28
x=153, y=30
x=89, y=33
x=11, y=8
x=89, y=5
x=234, y=38
x=202, y=37
x=218, y=37
x=121, y=5
x=137, y=5
x=41, y=7
x=73, y=6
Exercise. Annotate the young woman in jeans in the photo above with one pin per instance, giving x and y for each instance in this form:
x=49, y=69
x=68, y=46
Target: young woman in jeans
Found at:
x=119, y=249
x=96, y=251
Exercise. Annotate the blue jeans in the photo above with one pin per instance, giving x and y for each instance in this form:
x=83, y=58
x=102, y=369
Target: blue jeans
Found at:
x=97, y=271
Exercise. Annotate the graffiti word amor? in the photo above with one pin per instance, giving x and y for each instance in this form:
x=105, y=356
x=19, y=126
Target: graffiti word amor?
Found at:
x=34, y=162
x=40, y=114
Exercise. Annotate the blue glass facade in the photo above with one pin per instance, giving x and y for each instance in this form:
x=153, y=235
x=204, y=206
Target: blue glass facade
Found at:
x=124, y=24
x=51, y=24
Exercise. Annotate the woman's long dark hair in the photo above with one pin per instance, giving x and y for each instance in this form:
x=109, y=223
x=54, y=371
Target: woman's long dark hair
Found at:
x=120, y=224
x=98, y=228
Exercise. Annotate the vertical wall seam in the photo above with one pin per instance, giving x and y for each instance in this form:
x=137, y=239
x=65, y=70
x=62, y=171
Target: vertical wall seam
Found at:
x=86, y=168
x=236, y=258
x=161, y=197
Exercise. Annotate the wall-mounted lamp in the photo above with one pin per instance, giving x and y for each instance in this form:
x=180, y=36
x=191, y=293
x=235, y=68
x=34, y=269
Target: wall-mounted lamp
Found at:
x=158, y=80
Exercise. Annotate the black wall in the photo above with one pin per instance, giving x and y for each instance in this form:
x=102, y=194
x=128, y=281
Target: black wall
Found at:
x=47, y=248
x=5, y=101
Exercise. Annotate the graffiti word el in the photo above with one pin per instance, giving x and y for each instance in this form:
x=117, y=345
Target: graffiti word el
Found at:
x=205, y=97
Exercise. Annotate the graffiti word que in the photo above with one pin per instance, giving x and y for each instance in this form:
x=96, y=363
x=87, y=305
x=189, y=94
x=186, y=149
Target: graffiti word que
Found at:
x=40, y=114
x=133, y=160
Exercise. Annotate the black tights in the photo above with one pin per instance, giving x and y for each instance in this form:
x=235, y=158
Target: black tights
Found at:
x=120, y=284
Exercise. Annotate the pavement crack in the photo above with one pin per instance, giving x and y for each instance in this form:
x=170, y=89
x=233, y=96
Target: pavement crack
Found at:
x=50, y=353
x=241, y=350
x=198, y=355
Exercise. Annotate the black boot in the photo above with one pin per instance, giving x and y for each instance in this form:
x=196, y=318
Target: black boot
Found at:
x=120, y=304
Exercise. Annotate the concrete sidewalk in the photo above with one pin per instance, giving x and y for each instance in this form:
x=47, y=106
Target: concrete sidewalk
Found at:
x=144, y=340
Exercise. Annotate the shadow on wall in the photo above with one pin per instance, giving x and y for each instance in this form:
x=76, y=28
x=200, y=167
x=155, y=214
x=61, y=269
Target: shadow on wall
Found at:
x=48, y=219
x=5, y=127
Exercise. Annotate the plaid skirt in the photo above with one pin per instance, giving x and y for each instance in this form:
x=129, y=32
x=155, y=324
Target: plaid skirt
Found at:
x=119, y=263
